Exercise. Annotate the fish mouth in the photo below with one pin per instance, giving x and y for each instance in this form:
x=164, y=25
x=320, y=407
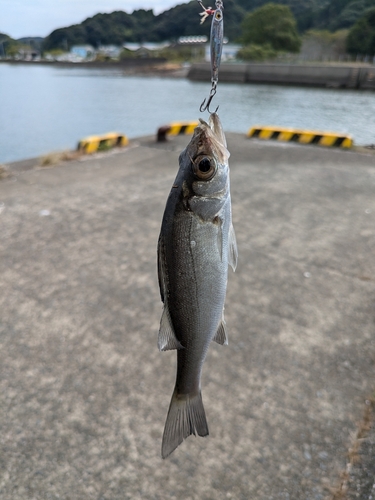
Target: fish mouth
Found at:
x=209, y=139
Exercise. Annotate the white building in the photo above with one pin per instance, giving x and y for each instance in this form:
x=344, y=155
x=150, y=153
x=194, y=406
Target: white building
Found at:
x=229, y=52
x=112, y=51
x=83, y=51
x=146, y=47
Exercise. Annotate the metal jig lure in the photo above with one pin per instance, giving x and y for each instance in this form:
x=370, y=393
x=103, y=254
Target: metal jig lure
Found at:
x=216, y=46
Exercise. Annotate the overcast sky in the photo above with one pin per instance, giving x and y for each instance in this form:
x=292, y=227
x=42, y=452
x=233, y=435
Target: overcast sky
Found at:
x=21, y=18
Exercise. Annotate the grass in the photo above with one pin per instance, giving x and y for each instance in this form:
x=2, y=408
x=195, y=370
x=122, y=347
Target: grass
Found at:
x=53, y=159
x=363, y=428
x=3, y=172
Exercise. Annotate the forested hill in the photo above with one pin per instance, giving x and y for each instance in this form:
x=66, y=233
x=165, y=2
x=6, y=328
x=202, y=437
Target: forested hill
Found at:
x=183, y=20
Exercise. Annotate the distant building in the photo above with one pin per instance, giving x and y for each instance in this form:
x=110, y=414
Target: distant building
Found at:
x=82, y=51
x=145, y=49
x=28, y=54
x=229, y=51
x=189, y=40
x=111, y=51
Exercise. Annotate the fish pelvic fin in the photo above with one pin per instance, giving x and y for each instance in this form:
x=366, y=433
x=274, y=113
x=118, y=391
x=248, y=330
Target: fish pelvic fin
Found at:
x=221, y=336
x=167, y=339
x=186, y=416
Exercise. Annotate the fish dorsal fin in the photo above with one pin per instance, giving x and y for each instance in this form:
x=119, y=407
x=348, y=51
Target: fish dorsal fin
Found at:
x=232, y=249
x=221, y=336
x=167, y=339
x=217, y=128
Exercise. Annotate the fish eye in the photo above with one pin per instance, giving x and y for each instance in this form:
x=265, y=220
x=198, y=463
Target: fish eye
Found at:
x=218, y=16
x=204, y=167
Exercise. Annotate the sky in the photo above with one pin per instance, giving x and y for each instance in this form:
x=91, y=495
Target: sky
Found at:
x=22, y=18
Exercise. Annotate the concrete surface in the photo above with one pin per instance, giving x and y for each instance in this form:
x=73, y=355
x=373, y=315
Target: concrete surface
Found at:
x=84, y=391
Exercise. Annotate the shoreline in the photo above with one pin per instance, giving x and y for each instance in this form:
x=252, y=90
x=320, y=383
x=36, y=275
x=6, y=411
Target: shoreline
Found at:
x=354, y=76
x=144, y=66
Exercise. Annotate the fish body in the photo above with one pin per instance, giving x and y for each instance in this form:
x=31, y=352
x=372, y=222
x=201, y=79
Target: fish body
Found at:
x=196, y=244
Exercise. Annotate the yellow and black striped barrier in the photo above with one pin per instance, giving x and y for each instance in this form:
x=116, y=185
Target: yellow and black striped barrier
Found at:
x=175, y=128
x=178, y=128
x=301, y=136
x=95, y=143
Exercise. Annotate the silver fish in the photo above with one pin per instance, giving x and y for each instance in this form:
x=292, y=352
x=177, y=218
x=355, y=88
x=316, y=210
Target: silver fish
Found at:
x=196, y=244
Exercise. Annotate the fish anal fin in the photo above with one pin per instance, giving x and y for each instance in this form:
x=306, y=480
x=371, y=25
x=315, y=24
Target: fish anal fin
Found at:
x=232, y=249
x=167, y=339
x=221, y=336
x=186, y=416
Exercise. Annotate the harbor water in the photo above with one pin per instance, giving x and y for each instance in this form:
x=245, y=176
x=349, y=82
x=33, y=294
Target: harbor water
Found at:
x=50, y=108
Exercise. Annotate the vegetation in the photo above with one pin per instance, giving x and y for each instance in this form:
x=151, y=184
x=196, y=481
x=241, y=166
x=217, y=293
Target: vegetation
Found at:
x=8, y=46
x=324, y=45
x=287, y=21
x=183, y=20
x=361, y=38
x=142, y=26
x=302, y=10
x=329, y=15
x=274, y=25
x=341, y=14
x=258, y=53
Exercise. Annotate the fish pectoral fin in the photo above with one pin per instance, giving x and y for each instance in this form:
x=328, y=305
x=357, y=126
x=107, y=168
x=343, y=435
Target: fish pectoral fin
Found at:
x=220, y=238
x=167, y=339
x=221, y=336
x=232, y=249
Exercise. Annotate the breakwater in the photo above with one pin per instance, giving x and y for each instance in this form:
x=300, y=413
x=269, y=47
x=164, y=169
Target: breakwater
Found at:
x=347, y=77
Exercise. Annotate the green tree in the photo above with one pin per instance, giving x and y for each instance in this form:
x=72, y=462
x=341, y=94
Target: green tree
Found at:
x=9, y=46
x=302, y=10
x=255, y=52
x=273, y=24
x=361, y=38
x=339, y=14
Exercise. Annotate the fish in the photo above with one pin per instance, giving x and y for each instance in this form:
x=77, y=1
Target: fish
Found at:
x=196, y=244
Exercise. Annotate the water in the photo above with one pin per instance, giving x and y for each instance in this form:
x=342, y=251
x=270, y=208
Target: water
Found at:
x=45, y=109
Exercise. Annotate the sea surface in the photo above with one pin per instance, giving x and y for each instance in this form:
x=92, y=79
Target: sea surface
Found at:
x=47, y=108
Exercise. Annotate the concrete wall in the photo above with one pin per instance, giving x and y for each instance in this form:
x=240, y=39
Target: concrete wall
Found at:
x=355, y=77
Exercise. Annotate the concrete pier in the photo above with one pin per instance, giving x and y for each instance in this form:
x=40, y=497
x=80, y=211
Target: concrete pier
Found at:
x=335, y=76
x=84, y=391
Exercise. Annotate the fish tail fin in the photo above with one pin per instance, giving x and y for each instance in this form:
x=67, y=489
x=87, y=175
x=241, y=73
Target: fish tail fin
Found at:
x=186, y=416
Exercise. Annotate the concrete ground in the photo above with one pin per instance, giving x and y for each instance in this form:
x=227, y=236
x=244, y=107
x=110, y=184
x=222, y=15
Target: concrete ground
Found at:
x=84, y=391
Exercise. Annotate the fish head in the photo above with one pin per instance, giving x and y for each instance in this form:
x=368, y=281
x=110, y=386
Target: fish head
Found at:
x=205, y=168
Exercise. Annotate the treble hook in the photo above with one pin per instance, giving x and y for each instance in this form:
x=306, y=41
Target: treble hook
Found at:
x=204, y=107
